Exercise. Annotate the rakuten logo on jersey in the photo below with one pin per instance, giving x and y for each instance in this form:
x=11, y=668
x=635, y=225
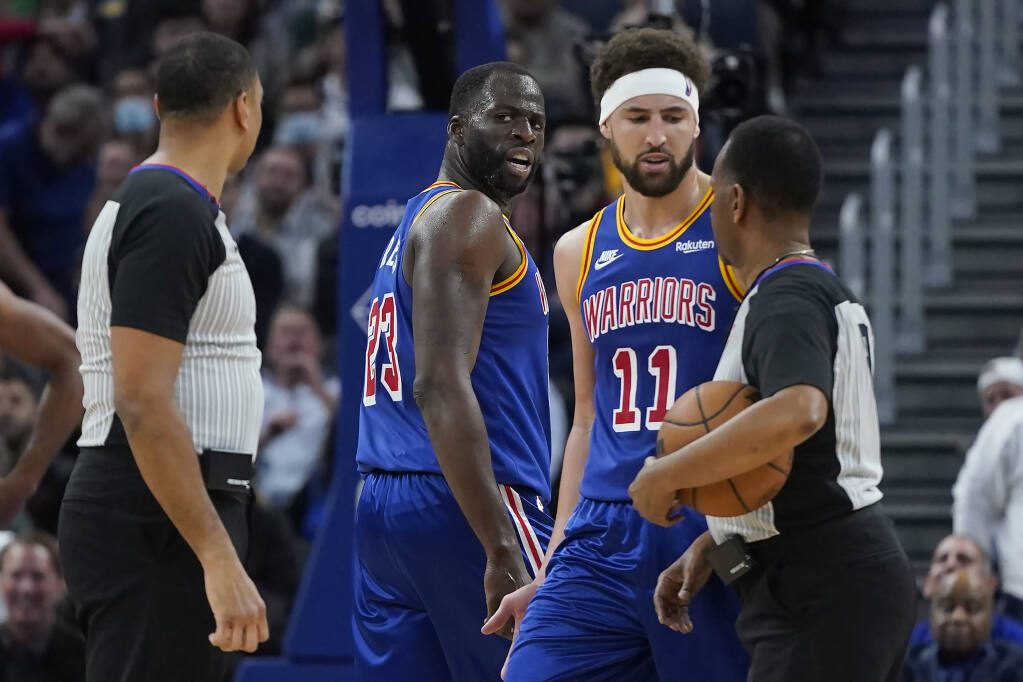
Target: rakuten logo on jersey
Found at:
x=693, y=245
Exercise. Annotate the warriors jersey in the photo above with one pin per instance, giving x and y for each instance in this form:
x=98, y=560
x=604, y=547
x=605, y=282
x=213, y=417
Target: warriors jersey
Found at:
x=657, y=312
x=509, y=377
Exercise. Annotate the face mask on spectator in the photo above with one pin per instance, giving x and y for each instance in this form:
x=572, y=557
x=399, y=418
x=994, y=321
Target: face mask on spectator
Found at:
x=299, y=127
x=134, y=115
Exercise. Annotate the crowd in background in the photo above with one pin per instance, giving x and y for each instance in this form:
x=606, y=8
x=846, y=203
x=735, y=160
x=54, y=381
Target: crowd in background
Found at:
x=76, y=88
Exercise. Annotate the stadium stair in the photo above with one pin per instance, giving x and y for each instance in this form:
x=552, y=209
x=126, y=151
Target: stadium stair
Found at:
x=979, y=316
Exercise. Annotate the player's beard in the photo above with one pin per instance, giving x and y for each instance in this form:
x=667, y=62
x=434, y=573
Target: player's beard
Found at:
x=487, y=167
x=654, y=185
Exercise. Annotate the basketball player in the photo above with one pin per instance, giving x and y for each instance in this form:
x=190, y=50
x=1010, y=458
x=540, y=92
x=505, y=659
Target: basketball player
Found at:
x=454, y=434
x=827, y=592
x=649, y=305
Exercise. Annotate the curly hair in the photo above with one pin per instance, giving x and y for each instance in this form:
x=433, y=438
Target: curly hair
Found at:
x=635, y=49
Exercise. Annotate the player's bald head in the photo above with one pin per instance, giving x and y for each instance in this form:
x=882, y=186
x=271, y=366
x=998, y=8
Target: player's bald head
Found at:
x=473, y=86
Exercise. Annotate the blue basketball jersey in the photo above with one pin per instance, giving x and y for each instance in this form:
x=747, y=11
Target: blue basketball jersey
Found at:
x=657, y=312
x=510, y=376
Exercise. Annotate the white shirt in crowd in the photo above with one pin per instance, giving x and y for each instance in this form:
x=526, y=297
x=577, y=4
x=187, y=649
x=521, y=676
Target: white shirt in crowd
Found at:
x=988, y=495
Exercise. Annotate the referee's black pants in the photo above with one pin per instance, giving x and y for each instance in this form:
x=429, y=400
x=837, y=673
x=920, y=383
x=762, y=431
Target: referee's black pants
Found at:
x=833, y=603
x=137, y=587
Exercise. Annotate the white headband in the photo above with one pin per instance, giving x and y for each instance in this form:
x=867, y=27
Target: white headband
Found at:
x=649, y=82
x=1000, y=369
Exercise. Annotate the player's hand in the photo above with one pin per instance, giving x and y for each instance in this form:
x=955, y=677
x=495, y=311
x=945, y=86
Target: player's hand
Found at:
x=652, y=497
x=238, y=610
x=14, y=492
x=679, y=583
x=513, y=607
x=504, y=575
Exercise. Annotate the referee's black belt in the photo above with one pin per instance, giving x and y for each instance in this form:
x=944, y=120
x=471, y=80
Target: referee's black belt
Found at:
x=829, y=537
x=227, y=471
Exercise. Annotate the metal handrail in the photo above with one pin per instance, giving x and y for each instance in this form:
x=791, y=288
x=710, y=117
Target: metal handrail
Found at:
x=851, y=247
x=910, y=291
x=882, y=310
x=965, y=205
x=988, y=136
x=939, y=235
x=1010, y=43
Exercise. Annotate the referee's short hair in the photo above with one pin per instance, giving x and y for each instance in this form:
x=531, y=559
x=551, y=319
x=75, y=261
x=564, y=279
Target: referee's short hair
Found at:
x=200, y=75
x=777, y=163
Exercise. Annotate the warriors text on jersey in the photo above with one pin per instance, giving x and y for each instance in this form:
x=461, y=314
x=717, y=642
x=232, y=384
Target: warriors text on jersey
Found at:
x=657, y=312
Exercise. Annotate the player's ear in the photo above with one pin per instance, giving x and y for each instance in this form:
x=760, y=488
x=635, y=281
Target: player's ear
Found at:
x=696, y=131
x=605, y=130
x=156, y=106
x=456, y=129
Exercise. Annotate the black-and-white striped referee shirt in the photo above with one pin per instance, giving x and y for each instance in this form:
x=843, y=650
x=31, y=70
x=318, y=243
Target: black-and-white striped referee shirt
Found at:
x=160, y=259
x=801, y=325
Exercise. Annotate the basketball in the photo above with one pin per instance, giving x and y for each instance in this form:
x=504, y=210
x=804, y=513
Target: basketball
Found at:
x=700, y=410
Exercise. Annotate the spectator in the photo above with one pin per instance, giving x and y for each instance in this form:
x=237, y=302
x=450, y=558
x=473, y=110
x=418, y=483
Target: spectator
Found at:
x=116, y=159
x=544, y=39
x=46, y=178
x=69, y=22
x=334, y=83
x=324, y=306
x=301, y=124
x=962, y=610
x=267, y=42
x=279, y=210
x=988, y=497
x=955, y=553
x=999, y=380
x=19, y=401
x=175, y=24
x=573, y=178
x=34, y=645
x=134, y=117
x=299, y=408
x=45, y=70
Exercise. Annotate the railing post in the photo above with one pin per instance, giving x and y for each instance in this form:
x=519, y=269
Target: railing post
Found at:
x=965, y=205
x=938, y=271
x=988, y=137
x=882, y=313
x=911, y=306
x=851, y=237
x=1009, y=72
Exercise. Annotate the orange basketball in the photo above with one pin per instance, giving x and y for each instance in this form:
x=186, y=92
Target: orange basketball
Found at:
x=706, y=407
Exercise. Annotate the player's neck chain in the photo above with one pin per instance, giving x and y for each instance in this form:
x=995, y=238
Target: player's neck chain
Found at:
x=790, y=254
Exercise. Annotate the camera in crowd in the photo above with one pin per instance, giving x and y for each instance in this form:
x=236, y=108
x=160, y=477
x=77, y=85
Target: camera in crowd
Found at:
x=733, y=92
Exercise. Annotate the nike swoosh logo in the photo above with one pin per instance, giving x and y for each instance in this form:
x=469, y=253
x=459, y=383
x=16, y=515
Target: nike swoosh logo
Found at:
x=599, y=265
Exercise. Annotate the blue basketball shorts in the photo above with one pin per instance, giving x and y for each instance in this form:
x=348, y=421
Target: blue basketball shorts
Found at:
x=593, y=618
x=419, y=599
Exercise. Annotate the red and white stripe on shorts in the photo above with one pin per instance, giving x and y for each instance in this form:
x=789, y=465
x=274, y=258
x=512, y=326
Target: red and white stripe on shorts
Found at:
x=530, y=544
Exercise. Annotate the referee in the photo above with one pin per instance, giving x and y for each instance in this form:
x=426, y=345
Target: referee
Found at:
x=827, y=592
x=154, y=519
